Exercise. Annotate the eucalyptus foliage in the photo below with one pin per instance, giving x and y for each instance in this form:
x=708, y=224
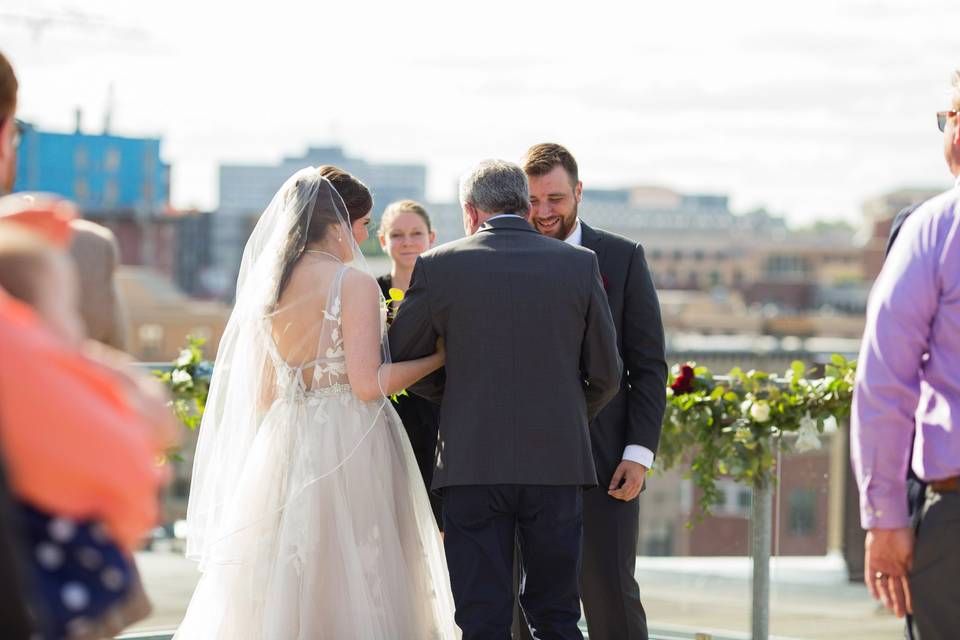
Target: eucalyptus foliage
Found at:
x=732, y=426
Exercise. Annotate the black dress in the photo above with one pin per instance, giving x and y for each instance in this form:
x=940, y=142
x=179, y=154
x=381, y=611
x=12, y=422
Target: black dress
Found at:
x=421, y=421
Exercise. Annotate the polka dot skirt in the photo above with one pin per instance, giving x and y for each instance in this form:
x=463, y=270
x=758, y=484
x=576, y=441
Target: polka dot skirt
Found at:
x=76, y=571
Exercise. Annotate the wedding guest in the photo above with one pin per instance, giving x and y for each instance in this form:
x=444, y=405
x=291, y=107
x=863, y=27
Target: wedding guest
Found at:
x=626, y=433
x=82, y=576
x=405, y=233
x=94, y=249
x=14, y=617
x=906, y=394
x=10, y=131
x=38, y=271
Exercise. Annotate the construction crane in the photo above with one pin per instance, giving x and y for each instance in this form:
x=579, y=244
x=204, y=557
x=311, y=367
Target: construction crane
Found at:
x=39, y=22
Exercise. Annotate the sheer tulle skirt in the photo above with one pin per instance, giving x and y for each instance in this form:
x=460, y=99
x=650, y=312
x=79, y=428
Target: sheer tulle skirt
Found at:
x=329, y=534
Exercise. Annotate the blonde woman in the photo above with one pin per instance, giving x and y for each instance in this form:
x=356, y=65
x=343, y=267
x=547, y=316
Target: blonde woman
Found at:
x=405, y=233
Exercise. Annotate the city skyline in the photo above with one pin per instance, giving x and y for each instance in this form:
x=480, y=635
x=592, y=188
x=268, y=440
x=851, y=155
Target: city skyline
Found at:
x=806, y=111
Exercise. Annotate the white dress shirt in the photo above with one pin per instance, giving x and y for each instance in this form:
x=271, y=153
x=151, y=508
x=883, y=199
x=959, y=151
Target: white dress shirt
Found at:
x=504, y=215
x=633, y=452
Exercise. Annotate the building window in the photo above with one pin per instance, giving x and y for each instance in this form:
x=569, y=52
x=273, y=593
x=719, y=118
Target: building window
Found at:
x=151, y=340
x=677, y=254
x=81, y=191
x=80, y=158
x=110, y=193
x=698, y=255
x=802, y=517
x=714, y=278
x=112, y=162
x=693, y=279
x=744, y=500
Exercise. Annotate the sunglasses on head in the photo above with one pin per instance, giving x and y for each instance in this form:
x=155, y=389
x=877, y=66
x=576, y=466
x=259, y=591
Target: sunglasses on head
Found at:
x=942, y=118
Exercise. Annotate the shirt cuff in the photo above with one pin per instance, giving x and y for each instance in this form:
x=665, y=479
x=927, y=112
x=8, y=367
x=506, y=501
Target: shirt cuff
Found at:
x=884, y=511
x=639, y=454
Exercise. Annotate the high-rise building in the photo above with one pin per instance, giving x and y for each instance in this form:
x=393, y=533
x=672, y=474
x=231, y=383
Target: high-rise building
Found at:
x=104, y=174
x=246, y=190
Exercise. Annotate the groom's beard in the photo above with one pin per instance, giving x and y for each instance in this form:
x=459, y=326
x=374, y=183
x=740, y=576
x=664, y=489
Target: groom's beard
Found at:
x=561, y=230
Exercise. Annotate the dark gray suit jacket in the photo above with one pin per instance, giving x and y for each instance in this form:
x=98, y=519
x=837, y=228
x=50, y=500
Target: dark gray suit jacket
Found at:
x=531, y=355
x=635, y=415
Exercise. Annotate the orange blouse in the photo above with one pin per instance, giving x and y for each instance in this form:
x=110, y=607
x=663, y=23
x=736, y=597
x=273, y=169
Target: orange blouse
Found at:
x=72, y=443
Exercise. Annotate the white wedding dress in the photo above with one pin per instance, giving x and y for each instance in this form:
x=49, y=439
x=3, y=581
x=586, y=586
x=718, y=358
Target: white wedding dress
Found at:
x=328, y=532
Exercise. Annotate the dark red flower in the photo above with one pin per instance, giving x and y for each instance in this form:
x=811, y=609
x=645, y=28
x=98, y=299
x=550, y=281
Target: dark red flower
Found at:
x=606, y=282
x=683, y=382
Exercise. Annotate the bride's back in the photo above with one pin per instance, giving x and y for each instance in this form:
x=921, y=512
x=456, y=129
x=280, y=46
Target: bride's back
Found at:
x=305, y=324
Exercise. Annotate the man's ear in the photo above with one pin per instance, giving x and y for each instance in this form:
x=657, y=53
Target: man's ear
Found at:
x=578, y=191
x=472, y=213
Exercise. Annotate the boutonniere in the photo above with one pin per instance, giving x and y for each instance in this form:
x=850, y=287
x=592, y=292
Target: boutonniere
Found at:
x=606, y=282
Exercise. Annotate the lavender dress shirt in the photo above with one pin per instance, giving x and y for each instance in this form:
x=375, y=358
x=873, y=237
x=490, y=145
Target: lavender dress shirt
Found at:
x=908, y=374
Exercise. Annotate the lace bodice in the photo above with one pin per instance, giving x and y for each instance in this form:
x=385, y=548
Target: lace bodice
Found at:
x=323, y=375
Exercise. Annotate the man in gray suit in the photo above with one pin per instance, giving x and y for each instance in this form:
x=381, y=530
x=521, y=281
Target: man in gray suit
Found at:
x=625, y=434
x=531, y=359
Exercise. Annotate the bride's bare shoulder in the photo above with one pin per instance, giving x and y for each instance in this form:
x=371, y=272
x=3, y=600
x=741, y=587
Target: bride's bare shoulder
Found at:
x=358, y=287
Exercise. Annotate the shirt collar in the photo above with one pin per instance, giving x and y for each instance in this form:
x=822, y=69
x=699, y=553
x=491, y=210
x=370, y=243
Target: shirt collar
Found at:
x=504, y=215
x=576, y=236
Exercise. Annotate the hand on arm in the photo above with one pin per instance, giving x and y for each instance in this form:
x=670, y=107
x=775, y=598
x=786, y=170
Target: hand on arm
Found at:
x=413, y=335
x=368, y=375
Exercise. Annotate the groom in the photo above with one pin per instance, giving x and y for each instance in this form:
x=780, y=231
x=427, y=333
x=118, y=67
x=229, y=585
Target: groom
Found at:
x=531, y=359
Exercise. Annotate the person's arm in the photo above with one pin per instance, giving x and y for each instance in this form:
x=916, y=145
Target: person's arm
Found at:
x=369, y=377
x=902, y=307
x=643, y=357
x=643, y=349
x=599, y=359
x=412, y=334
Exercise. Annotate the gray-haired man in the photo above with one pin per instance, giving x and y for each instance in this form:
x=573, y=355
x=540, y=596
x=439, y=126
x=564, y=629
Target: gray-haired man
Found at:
x=531, y=359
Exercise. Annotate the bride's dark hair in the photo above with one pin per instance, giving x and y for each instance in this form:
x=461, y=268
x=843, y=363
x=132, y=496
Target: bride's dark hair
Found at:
x=314, y=223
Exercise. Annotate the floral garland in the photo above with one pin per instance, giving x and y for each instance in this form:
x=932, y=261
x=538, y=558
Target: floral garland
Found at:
x=733, y=426
x=726, y=426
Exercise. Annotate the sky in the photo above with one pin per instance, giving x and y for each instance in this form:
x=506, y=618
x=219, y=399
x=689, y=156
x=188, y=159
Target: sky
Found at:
x=804, y=108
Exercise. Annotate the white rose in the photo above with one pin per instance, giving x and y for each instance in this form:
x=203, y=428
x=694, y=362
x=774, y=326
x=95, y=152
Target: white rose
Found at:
x=180, y=377
x=760, y=412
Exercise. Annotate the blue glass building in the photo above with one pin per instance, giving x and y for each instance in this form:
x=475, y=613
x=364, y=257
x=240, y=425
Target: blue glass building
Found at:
x=100, y=172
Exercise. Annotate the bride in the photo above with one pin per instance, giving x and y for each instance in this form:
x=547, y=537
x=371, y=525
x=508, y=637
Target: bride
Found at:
x=307, y=513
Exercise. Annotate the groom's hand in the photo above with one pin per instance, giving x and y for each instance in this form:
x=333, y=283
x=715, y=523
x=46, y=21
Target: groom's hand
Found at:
x=631, y=475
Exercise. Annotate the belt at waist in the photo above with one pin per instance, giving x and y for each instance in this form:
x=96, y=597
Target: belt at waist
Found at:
x=947, y=485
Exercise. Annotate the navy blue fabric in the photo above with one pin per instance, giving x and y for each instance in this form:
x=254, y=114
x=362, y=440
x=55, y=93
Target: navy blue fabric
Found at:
x=76, y=571
x=482, y=524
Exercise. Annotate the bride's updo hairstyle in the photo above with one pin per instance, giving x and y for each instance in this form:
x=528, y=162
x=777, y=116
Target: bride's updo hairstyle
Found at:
x=313, y=224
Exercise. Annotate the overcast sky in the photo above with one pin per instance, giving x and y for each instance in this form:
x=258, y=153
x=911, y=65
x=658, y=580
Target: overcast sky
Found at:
x=806, y=108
